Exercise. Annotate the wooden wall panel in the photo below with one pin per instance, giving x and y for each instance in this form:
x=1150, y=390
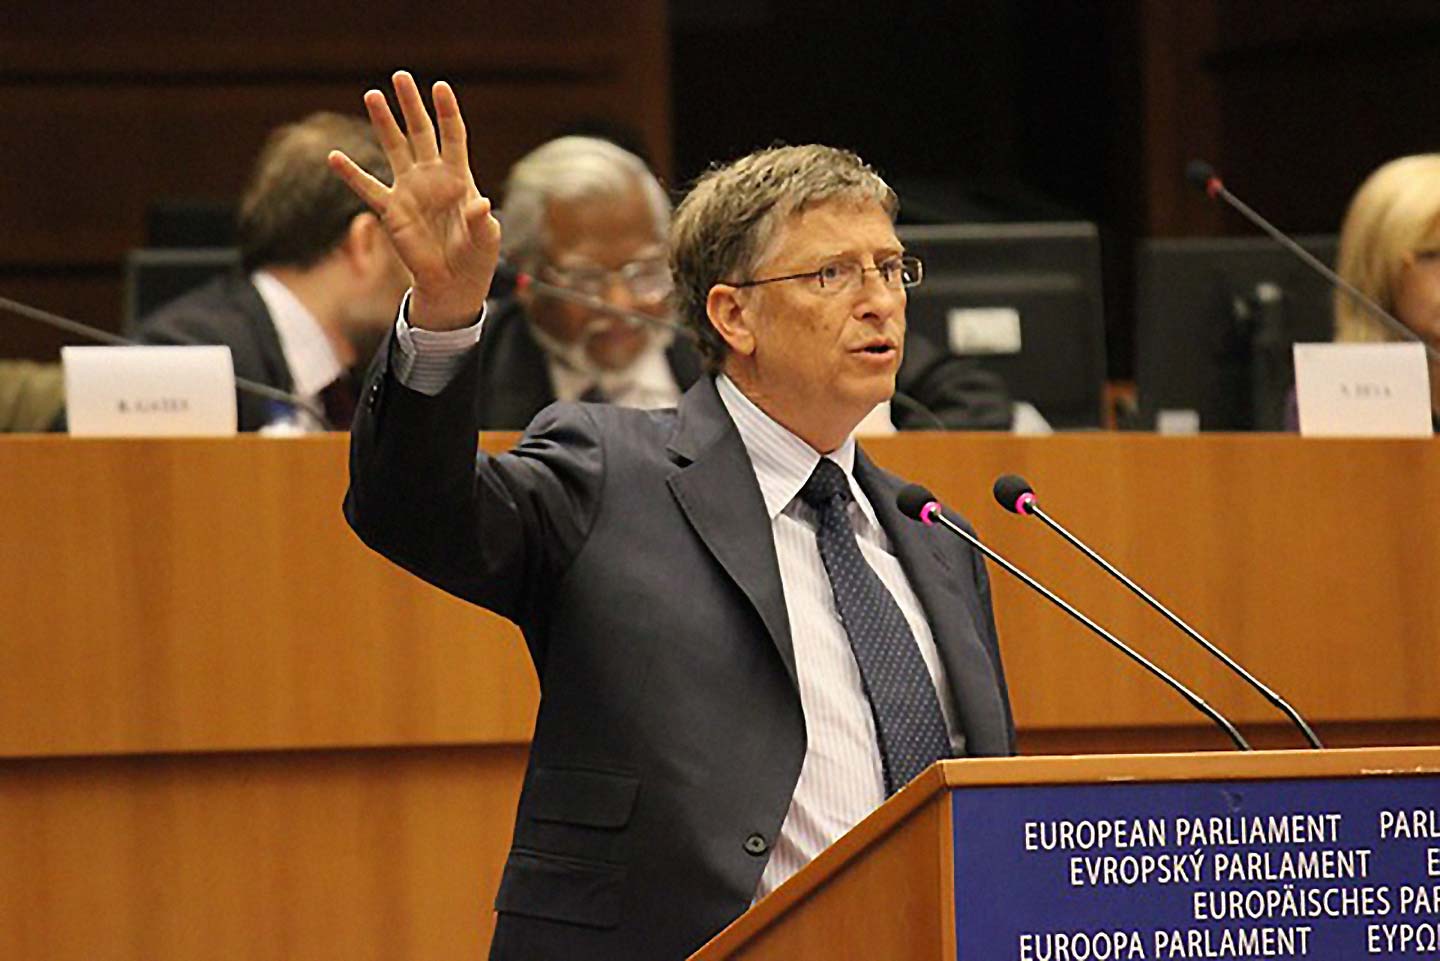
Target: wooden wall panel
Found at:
x=89, y=293
x=255, y=857
x=1180, y=114
x=206, y=595
x=107, y=111
x=1295, y=103
x=229, y=730
x=148, y=606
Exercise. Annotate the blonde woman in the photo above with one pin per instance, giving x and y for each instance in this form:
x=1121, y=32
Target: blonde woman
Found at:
x=1390, y=249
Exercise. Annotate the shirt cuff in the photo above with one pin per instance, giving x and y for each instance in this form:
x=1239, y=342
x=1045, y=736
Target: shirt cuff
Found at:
x=427, y=360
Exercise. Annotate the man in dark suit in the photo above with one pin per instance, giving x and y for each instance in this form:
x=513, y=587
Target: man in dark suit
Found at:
x=585, y=215
x=742, y=646
x=320, y=282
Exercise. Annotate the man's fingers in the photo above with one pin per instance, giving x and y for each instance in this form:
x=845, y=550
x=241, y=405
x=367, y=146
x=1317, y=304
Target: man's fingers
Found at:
x=417, y=119
x=453, y=148
x=367, y=188
x=388, y=132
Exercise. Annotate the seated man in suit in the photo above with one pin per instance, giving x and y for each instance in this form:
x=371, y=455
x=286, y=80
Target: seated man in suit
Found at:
x=743, y=647
x=321, y=280
x=585, y=215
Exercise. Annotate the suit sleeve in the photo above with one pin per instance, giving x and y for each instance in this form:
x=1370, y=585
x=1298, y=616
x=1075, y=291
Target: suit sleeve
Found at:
x=495, y=531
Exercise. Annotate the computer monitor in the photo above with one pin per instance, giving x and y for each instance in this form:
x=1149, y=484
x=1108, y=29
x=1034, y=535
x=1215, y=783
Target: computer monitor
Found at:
x=1216, y=318
x=1024, y=300
x=157, y=275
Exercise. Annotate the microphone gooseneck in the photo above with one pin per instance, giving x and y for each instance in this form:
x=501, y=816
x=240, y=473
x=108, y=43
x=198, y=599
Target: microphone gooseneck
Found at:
x=1202, y=175
x=115, y=340
x=919, y=504
x=1016, y=495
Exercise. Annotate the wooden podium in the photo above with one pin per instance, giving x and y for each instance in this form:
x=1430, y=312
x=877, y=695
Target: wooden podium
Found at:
x=888, y=889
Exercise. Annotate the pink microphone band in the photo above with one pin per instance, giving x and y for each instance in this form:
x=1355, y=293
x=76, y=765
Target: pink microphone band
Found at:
x=928, y=512
x=1023, y=502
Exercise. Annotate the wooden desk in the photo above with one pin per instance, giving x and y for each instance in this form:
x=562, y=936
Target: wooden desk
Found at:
x=229, y=730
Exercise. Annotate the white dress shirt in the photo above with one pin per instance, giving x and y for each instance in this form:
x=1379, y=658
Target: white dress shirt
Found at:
x=841, y=779
x=308, y=352
x=646, y=383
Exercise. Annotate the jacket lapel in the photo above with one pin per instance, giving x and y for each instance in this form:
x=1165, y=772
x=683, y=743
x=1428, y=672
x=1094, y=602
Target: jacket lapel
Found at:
x=719, y=495
x=951, y=606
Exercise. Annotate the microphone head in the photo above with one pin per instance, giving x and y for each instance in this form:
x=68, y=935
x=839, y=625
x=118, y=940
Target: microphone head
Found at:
x=507, y=280
x=916, y=503
x=1203, y=176
x=1198, y=172
x=1014, y=493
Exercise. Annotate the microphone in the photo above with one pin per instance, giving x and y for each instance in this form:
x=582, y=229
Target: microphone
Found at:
x=1018, y=497
x=917, y=503
x=115, y=340
x=1203, y=176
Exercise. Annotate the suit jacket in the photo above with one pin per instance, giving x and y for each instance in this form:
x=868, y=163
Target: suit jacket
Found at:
x=515, y=380
x=634, y=550
x=228, y=310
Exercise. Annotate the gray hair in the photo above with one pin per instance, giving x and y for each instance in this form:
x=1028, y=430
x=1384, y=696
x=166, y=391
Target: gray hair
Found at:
x=569, y=169
x=723, y=227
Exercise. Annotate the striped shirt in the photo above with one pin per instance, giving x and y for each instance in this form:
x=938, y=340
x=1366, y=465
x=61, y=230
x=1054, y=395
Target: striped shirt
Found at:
x=841, y=779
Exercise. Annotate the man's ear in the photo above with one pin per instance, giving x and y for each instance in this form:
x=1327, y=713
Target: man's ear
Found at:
x=726, y=308
x=363, y=241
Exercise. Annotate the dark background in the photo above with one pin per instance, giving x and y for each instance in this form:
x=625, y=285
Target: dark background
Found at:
x=982, y=109
x=1047, y=109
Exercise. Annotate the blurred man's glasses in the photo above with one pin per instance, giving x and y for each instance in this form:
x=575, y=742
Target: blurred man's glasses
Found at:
x=839, y=276
x=648, y=281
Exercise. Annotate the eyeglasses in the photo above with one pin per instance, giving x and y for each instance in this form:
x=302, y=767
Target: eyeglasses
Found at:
x=648, y=281
x=839, y=276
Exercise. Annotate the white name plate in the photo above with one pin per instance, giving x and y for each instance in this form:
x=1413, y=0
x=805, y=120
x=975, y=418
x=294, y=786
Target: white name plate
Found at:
x=149, y=391
x=1363, y=390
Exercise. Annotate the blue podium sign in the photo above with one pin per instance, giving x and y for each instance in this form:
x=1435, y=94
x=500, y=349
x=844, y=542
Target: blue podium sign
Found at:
x=1338, y=869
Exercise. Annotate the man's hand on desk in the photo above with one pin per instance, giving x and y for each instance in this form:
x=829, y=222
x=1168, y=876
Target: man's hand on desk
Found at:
x=434, y=214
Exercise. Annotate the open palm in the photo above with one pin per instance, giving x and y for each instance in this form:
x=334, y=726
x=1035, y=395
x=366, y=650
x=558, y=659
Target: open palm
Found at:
x=436, y=217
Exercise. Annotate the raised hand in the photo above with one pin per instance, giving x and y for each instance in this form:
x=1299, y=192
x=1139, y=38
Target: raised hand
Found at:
x=436, y=217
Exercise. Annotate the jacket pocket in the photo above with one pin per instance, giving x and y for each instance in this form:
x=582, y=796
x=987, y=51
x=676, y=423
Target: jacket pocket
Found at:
x=592, y=799
x=561, y=889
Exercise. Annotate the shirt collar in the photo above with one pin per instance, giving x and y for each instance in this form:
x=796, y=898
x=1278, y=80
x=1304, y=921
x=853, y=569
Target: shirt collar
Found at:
x=312, y=361
x=782, y=461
